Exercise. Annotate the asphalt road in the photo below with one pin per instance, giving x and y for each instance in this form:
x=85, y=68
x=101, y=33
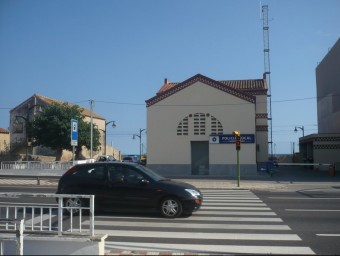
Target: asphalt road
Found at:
x=312, y=212
x=302, y=205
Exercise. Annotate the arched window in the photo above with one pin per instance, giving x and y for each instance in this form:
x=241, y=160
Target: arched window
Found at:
x=216, y=126
x=199, y=124
x=200, y=121
x=182, y=128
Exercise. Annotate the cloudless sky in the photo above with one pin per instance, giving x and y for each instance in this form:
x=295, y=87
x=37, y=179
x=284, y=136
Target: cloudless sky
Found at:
x=118, y=52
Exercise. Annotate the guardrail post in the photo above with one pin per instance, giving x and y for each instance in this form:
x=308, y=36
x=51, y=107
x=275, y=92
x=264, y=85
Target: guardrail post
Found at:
x=92, y=215
x=60, y=216
x=20, y=239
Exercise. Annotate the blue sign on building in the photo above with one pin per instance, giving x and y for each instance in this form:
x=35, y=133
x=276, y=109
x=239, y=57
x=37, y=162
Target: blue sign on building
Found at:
x=74, y=132
x=230, y=138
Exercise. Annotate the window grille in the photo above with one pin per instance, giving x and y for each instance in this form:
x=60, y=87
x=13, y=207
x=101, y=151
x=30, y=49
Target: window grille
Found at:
x=199, y=124
x=182, y=128
x=216, y=126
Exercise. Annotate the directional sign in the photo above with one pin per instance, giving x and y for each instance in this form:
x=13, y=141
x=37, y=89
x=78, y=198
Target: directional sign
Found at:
x=74, y=132
x=230, y=138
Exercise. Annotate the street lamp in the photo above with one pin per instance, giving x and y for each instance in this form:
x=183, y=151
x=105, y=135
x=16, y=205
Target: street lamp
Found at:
x=301, y=128
x=26, y=119
x=113, y=126
x=26, y=136
x=140, y=142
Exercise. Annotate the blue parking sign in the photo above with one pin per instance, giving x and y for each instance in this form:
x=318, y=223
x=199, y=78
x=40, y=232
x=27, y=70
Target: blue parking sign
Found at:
x=74, y=132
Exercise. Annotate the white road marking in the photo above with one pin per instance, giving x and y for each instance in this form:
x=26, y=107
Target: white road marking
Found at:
x=190, y=225
x=216, y=249
x=311, y=210
x=199, y=235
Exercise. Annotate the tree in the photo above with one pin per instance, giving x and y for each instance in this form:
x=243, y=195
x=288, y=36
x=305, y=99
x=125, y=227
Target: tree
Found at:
x=52, y=128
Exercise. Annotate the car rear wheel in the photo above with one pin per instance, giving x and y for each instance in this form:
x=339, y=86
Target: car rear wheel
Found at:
x=171, y=207
x=72, y=205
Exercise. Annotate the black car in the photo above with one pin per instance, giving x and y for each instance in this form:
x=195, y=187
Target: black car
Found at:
x=121, y=186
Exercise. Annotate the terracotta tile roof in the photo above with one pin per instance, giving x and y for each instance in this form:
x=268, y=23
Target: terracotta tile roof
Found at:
x=85, y=111
x=2, y=130
x=245, y=89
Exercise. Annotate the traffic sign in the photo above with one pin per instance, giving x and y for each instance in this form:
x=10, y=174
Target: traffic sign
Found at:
x=74, y=132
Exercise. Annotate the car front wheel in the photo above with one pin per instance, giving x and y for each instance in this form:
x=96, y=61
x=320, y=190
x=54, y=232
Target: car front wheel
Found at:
x=171, y=207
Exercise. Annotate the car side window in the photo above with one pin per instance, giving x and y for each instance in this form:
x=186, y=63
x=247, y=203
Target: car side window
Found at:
x=132, y=176
x=124, y=175
x=93, y=172
x=116, y=174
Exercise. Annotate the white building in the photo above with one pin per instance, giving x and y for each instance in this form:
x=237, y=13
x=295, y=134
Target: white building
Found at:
x=190, y=126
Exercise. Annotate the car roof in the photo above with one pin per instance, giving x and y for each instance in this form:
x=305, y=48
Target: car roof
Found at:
x=109, y=162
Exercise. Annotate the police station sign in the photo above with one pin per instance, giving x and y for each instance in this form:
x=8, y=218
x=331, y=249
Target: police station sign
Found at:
x=230, y=138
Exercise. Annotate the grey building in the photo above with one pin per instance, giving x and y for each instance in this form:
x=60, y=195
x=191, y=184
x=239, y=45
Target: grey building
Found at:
x=324, y=147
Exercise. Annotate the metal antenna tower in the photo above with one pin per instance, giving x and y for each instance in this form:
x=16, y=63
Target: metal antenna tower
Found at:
x=267, y=73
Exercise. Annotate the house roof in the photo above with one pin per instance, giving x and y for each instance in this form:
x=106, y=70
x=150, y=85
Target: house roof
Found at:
x=244, y=89
x=2, y=130
x=48, y=100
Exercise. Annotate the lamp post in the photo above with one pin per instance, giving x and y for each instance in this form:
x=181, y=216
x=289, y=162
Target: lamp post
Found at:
x=301, y=128
x=26, y=136
x=113, y=126
x=140, y=142
x=26, y=119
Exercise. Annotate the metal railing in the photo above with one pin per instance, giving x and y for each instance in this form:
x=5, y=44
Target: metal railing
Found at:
x=19, y=239
x=36, y=165
x=49, y=218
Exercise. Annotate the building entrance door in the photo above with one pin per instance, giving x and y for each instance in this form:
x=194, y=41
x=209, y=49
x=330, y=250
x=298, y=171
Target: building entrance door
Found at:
x=200, y=157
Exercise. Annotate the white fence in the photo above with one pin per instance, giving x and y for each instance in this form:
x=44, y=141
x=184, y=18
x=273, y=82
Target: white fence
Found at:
x=36, y=165
x=18, y=239
x=50, y=218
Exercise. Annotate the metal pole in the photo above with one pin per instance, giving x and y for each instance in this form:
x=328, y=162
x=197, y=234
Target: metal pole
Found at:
x=140, y=144
x=91, y=114
x=238, y=168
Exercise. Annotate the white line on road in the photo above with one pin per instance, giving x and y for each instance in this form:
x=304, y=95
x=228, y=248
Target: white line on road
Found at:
x=233, y=204
x=198, y=235
x=189, y=225
x=237, y=213
x=200, y=218
x=331, y=235
x=215, y=249
x=304, y=198
x=236, y=208
x=310, y=210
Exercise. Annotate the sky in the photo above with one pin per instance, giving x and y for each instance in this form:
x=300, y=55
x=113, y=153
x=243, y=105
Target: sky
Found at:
x=118, y=53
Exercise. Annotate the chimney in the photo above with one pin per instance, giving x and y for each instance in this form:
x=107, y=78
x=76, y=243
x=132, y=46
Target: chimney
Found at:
x=166, y=81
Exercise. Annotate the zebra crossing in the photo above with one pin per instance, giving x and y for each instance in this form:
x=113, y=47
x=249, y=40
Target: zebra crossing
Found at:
x=229, y=222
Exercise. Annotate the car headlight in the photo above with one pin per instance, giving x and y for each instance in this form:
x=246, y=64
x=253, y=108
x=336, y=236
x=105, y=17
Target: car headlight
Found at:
x=193, y=192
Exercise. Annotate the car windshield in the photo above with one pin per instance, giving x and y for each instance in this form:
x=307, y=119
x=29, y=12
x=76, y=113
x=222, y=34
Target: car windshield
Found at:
x=151, y=173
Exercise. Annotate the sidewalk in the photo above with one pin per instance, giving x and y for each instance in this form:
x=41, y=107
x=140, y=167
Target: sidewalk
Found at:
x=284, y=177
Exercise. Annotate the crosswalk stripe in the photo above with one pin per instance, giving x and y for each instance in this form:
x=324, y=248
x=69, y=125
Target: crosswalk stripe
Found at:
x=237, y=213
x=245, y=208
x=234, y=204
x=216, y=249
x=202, y=218
x=191, y=225
x=222, y=210
x=200, y=235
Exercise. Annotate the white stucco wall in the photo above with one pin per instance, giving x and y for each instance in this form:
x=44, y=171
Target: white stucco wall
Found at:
x=166, y=147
